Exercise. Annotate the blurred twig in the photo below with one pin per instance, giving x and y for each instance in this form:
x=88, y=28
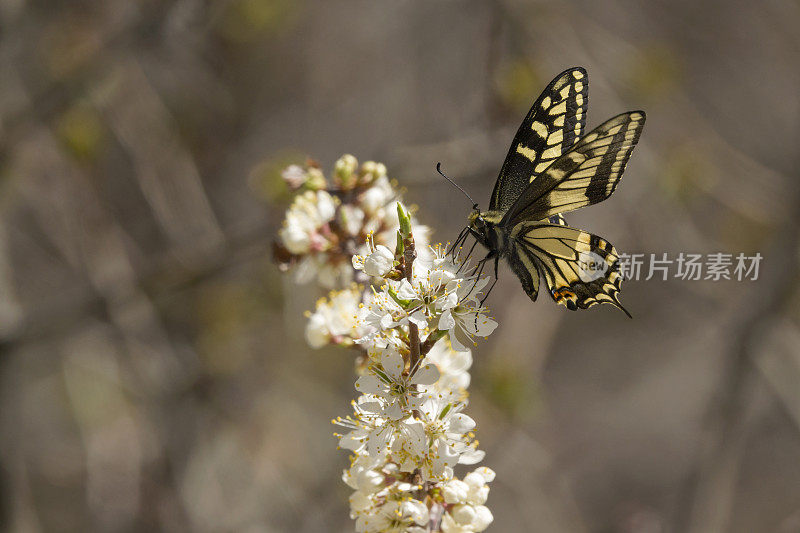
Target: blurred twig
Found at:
x=710, y=491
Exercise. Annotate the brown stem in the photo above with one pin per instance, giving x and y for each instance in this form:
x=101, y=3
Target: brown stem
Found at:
x=409, y=253
x=430, y=341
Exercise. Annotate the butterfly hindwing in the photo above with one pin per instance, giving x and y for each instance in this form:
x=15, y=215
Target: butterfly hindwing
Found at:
x=552, y=125
x=580, y=269
x=587, y=174
x=524, y=265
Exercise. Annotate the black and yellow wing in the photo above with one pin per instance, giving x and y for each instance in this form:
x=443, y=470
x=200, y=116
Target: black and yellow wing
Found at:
x=587, y=174
x=551, y=127
x=580, y=269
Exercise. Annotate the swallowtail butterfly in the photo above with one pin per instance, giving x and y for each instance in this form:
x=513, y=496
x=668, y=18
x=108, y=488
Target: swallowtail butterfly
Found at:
x=553, y=168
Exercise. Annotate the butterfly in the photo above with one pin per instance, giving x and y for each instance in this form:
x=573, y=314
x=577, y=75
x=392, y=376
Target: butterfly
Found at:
x=552, y=168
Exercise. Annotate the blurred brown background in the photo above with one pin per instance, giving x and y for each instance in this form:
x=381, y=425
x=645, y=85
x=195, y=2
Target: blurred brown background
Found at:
x=153, y=374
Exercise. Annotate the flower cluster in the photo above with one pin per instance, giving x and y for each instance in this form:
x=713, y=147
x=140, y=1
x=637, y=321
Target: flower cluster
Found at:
x=330, y=219
x=412, y=320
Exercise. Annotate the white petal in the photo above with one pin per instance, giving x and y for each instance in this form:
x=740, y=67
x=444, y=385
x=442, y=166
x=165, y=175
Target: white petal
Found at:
x=379, y=263
x=394, y=411
x=405, y=291
x=461, y=423
x=426, y=375
x=371, y=407
x=416, y=402
x=392, y=363
x=449, y=525
x=479, y=285
x=387, y=322
x=370, y=384
x=448, y=302
x=447, y=455
x=351, y=218
x=326, y=206
x=479, y=496
x=305, y=270
x=354, y=440
x=456, y=342
x=379, y=440
x=470, y=456
x=454, y=285
x=295, y=239
x=359, y=501
x=317, y=334
x=485, y=326
x=474, y=480
x=416, y=510
x=418, y=318
x=440, y=277
x=369, y=480
x=487, y=473
x=447, y=322
x=414, y=438
x=430, y=407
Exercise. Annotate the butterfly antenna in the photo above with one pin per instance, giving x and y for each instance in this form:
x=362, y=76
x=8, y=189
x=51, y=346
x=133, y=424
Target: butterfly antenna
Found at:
x=456, y=185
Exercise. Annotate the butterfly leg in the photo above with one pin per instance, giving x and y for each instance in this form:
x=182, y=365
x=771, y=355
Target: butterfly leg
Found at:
x=496, y=276
x=459, y=240
x=464, y=261
x=477, y=272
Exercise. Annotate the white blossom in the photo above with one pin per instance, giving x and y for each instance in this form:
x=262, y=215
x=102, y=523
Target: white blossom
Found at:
x=351, y=218
x=379, y=263
x=466, y=519
x=450, y=431
x=335, y=319
x=466, y=498
x=453, y=368
x=462, y=316
x=304, y=227
x=408, y=429
x=378, y=196
x=395, y=516
x=389, y=381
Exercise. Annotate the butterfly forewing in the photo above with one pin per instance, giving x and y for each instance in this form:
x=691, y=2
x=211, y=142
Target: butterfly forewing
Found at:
x=587, y=174
x=550, y=169
x=552, y=125
x=580, y=269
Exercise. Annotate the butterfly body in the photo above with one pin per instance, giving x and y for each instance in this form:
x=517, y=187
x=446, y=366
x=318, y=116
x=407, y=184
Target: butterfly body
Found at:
x=552, y=168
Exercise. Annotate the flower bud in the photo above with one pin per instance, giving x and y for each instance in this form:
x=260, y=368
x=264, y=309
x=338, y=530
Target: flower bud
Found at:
x=371, y=171
x=483, y=517
x=344, y=170
x=315, y=179
x=360, y=502
x=295, y=239
x=326, y=206
x=317, y=334
x=463, y=514
x=487, y=473
x=405, y=220
x=294, y=176
x=379, y=262
x=455, y=491
x=351, y=218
